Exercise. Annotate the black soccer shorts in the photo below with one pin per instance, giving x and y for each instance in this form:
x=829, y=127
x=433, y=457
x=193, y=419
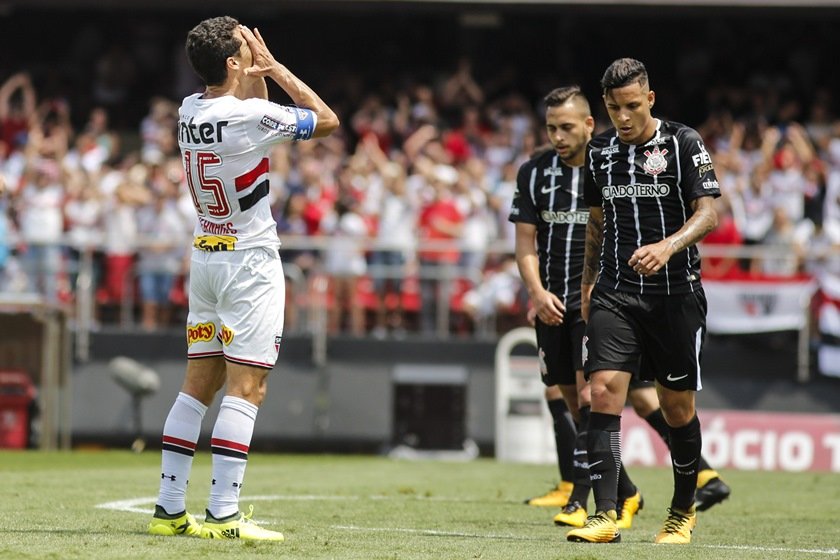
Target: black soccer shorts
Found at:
x=560, y=349
x=667, y=330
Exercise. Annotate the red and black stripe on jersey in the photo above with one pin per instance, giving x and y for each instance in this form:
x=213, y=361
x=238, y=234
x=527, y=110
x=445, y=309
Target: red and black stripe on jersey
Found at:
x=248, y=179
x=646, y=192
x=549, y=195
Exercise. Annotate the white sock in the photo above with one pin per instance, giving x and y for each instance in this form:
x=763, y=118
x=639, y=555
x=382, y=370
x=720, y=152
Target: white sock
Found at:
x=180, y=434
x=229, y=444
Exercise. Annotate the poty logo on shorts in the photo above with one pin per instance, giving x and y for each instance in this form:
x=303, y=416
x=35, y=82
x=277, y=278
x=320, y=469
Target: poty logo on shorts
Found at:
x=638, y=190
x=226, y=335
x=202, y=332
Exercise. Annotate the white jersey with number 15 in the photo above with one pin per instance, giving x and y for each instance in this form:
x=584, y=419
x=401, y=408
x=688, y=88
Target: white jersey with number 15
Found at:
x=225, y=142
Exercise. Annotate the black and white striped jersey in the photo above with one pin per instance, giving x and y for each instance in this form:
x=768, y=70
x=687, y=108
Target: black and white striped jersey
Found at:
x=646, y=191
x=549, y=194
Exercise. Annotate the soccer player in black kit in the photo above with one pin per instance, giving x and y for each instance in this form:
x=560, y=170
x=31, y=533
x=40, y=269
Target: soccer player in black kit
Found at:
x=650, y=186
x=551, y=216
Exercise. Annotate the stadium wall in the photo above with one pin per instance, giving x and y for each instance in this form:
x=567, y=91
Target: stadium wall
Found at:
x=349, y=403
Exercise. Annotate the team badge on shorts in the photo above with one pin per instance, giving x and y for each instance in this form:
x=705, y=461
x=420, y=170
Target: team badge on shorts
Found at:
x=277, y=339
x=584, y=351
x=655, y=162
x=543, y=366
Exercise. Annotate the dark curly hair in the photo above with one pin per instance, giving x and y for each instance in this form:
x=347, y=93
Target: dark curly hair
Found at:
x=209, y=44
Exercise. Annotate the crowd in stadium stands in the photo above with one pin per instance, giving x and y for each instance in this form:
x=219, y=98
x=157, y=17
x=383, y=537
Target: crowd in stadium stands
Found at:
x=403, y=209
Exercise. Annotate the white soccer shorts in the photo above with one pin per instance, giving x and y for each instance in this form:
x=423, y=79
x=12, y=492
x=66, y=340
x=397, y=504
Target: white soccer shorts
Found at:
x=237, y=300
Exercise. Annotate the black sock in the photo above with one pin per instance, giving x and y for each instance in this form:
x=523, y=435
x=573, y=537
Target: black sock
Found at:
x=626, y=488
x=686, y=444
x=603, y=445
x=657, y=421
x=564, y=438
x=580, y=493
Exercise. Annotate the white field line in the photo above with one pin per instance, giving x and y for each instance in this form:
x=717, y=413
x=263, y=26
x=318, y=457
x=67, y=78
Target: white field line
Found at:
x=436, y=533
x=133, y=505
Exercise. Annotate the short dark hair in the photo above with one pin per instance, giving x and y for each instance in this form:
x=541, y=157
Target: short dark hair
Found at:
x=209, y=44
x=624, y=72
x=559, y=96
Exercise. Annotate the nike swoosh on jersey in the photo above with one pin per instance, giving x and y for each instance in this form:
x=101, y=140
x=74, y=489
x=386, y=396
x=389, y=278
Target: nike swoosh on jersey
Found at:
x=547, y=190
x=607, y=164
x=670, y=377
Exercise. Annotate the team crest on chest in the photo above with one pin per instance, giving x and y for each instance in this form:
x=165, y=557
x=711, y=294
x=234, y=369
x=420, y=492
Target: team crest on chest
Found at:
x=655, y=162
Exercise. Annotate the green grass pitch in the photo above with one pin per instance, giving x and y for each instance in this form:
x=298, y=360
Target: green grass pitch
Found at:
x=95, y=505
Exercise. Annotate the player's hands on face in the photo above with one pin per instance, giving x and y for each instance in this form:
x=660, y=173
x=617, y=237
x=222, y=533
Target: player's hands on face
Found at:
x=549, y=308
x=647, y=260
x=262, y=59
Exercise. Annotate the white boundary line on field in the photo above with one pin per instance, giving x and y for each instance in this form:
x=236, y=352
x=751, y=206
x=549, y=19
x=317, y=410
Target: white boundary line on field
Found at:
x=133, y=505
x=433, y=532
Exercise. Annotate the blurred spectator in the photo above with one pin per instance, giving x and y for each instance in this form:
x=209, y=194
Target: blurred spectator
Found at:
x=83, y=218
x=470, y=194
x=461, y=89
x=786, y=184
x=498, y=293
x=785, y=244
x=831, y=205
x=395, y=240
x=292, y=228
x=440, y=224
x=344, y=263
x=157, y=130
x=165, y=237
x=39, y=210
x=122, y=237
x=726, y=234
x=17, y=110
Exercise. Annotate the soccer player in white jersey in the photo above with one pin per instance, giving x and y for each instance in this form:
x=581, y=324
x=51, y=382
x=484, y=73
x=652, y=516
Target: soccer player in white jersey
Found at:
x=235, y=321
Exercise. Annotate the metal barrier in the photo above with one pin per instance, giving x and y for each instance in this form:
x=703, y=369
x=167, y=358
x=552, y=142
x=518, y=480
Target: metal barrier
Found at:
x=313, y=288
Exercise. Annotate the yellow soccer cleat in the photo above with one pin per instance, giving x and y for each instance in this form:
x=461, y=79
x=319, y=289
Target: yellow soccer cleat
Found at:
x=557, y=497
x=572, y=515
x=678, y=527
x=171, y=525
x=599, y=528
x=628, y=508
x=240, y=527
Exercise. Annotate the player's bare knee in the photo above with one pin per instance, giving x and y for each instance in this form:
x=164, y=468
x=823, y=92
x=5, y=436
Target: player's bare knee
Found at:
x=643, y=401
x=677, y=412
